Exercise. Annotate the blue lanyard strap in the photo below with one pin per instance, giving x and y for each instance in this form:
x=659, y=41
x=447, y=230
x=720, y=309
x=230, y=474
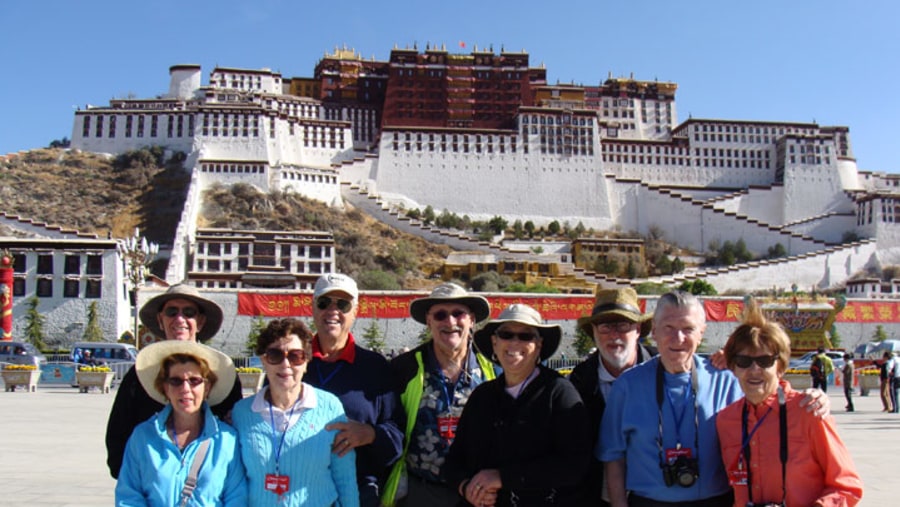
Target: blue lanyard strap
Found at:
x=745, y=444
x=276, y=444
x=325, y=380
x=660, y=390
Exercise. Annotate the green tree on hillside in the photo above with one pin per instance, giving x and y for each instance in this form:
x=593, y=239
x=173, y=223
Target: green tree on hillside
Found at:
x=698, y=288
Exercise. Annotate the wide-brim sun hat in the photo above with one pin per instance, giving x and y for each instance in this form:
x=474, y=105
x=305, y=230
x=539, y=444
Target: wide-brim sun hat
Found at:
x=208, y=308
x=449, y=293
x=615, y=305
x=150, y=359
x=522, y=314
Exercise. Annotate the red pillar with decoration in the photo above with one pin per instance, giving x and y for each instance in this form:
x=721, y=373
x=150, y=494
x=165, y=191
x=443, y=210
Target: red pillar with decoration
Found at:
x=6, y=288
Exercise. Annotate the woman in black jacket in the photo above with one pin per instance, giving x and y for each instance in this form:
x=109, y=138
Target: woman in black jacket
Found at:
x=523, y=438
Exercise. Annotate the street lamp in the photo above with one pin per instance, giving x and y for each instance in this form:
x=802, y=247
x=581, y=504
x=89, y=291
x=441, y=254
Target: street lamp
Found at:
x=137, y=254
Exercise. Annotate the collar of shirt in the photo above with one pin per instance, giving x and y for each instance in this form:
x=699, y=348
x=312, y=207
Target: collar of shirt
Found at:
x=348, y=354
x=307, y=401
x=605, y=378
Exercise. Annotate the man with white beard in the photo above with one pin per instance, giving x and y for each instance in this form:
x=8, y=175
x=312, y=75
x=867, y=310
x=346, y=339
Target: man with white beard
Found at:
x=616, y=324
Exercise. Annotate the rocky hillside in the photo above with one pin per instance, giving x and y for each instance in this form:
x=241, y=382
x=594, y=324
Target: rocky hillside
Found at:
x=92, y=193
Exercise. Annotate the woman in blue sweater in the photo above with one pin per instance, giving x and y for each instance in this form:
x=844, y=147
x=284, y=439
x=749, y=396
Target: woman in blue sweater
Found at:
x=184, y=439
x=284, y=445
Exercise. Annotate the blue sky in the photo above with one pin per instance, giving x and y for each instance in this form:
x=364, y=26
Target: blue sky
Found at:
x=827, y=61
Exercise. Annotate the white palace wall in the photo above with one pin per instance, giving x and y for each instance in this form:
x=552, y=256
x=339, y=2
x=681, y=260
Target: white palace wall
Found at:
x=516, y=185
x=694, y=226
x=821, y=271
x=810, y=190
x=829, y=228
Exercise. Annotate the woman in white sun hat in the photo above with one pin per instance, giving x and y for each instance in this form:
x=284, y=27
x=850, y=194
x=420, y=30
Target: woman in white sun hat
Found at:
x=183, y=455
x=523, y=438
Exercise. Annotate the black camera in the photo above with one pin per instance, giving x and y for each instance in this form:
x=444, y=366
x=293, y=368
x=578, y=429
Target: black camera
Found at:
x=683, y=471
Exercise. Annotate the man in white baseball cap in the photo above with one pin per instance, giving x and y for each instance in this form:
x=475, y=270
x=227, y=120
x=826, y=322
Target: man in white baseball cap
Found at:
x=361, y=379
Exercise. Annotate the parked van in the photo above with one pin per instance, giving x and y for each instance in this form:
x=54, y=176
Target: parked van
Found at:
x=20, y=353
x=105, y=352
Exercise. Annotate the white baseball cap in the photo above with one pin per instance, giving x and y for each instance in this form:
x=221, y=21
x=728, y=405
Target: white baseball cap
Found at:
x=334, y=282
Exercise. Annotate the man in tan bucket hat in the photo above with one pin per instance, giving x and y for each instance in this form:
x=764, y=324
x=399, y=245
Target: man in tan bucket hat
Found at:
x=180, y=313
x=617, y=325
x=435, y=380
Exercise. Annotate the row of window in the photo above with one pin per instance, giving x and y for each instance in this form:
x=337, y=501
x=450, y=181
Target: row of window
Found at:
x=174, y=126
x=226, y=266
x=72, y=264
x=309, y=178
x=535, y=119
x=640, y=148
x=750, y=129
x=225, y=248
x=71, y=288
x=728, y=138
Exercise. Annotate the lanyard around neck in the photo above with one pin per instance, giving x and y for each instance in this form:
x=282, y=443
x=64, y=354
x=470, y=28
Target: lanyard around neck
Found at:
x=660, y=393
x=277, y=444
x=782, y=431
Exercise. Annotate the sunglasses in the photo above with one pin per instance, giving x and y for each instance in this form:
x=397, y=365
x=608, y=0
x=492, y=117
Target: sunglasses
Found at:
x=342, y=304
x=761, y=361
x=614, y=327
x=442, y=315
x=276, y=356
x=173, y=311
x=178, y=382
x=522, y=337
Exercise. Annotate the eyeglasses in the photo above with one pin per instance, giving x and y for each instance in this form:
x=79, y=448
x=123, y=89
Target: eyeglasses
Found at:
x=522, y=337
x=173, y=311
x=178, y=382
x=442, y=315
x=342, y=304
x=276, y=356
x=762, y=361
x=614, y=327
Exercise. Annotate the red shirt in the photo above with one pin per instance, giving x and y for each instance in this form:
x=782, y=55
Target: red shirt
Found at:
x=820, y=471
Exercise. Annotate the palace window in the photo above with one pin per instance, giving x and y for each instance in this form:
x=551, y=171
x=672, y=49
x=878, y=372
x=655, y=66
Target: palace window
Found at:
x=92, y=289
x=70, y=288
x=45, y=265
x=44, y=287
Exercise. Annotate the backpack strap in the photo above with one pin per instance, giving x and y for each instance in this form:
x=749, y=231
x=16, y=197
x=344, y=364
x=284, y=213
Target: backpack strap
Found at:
x=191, y=482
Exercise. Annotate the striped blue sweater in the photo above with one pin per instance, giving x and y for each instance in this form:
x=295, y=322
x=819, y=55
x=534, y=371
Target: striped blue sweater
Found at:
x=318, y=478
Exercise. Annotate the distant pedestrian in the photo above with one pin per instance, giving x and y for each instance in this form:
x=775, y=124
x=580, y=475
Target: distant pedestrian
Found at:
x=847, y=370
x=885, y=376
x=821, y=367
x=894, y=370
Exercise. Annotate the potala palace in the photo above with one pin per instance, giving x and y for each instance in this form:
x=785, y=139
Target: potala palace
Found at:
x=484, y=134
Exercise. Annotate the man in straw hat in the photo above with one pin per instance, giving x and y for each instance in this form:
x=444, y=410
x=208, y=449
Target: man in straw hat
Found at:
x=184, y=439
x=362, y=380
x=180, y=313
x=617, y=325
x=435, y=380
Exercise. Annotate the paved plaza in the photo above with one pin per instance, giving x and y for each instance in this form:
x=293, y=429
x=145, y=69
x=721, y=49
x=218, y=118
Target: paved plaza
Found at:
x=53, y=453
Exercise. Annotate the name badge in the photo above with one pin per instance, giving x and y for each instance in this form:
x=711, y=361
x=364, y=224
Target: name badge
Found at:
x=674, y=453
x=447, y=426
x=737, y=477
x=278, y=484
